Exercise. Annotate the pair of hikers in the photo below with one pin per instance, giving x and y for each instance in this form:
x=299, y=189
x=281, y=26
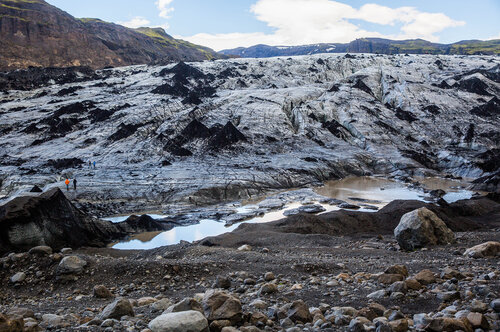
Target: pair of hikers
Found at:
x=91, y=163
x=67, y=182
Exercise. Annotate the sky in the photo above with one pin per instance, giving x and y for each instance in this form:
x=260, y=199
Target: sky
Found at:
x=223, y=24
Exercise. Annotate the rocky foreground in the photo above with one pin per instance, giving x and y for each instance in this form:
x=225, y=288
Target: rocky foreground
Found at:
x=283, y=276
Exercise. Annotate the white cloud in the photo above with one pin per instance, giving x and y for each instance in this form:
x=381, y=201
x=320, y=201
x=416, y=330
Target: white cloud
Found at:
x=298, y=22
x=164, y=8
x=136, y=22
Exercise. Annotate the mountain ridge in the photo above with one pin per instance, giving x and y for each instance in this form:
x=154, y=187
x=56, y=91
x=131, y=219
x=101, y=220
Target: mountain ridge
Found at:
x=371, y=45
x=35, y=33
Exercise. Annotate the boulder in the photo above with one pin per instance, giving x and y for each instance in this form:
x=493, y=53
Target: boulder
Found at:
x=389, y=279
x=420, y=228
x=219, y=305
x=119, y=308
x=397, y=269
x=446, y=324
x=487, y=249
x=185, y=321
x=299, y=312
x=187, y=304
x=41, y=250
x=71, y=265
x=425, y=277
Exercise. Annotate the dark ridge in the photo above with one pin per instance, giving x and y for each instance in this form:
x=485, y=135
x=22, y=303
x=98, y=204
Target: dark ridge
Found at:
x=419, y=157
x=491, y=108
x=387, y=127
x=76, y=108
x=474, y=85
x=177, y=90
x=470, y=133
x=227, y=136
x=183, y=70
x=32, y=78
x=67, y=91
x=489, y=160
x=65, y=163
x=124, y=131
x=363, y=87
x=336, y=129
x=433, y=109
x=405, y=115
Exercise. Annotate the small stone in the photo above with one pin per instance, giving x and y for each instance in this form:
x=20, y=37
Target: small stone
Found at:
x=495, y=305
x=487, y=249
x=18, y=277
x=397, y=269
x=389, y=279
x=144, y=301
x=268, y=288
x=71, y=265
x=258, y=304
x=400, y=325
x=66, y=251
x=117, y=309
x=399, y=286
x=425, y=277
x=269, y=276
x=245, y=247
x=162, y=304
x=299, y=312
x=358, y=324
x=187, y=304
x=412, y=283
x=377, y=295
x=478, y=320
x=449, y=296
x=446, y=324
x=101, y=292
x=478, y=306
x=223, y=282
x=41, y=251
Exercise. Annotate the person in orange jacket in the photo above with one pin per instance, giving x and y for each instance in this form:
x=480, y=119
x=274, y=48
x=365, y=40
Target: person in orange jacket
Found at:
x=67, y=184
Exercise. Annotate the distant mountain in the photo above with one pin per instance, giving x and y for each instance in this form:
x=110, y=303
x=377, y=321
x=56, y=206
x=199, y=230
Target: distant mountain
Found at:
x=371, y=45
x=35, y=33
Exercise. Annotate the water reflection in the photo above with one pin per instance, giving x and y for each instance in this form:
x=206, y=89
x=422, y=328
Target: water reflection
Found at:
x=369, y=188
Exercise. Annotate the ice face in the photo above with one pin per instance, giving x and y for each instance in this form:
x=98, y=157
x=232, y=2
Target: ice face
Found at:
x=261, y=124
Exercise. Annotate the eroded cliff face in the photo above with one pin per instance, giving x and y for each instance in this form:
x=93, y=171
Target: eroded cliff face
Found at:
x=34, y=33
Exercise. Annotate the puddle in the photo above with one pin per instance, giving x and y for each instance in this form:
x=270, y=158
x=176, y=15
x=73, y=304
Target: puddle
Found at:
x=378, y=191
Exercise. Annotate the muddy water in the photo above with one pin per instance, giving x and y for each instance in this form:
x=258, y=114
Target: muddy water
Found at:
x=377, y=191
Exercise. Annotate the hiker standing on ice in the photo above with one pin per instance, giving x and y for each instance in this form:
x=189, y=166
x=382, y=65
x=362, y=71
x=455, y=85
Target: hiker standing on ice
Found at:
x=67, y=184
x=94, y=164
x=74, y=183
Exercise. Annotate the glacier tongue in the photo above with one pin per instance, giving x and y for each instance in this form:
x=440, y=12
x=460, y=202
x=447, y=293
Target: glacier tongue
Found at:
x=261, y=124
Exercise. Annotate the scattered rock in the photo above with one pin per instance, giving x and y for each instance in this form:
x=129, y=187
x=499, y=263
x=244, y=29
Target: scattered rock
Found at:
x=487, y=249
x=71, y=265
x=100, y=291
x=222, y=306
x=186, y=321
x=420, y=228
x=117, y=309
x=18, y=277
x=425, y=277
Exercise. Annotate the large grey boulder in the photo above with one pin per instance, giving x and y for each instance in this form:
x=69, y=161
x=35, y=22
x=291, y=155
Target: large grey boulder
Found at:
x=71, y=265
x=420, y=228
x=117, y=309
x=222, y=306
x=185, y=321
